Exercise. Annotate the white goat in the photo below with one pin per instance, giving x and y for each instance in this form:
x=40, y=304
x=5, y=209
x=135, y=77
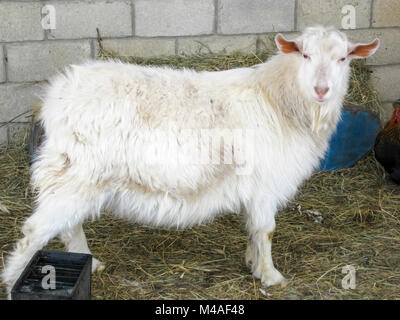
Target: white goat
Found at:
x=100, y=119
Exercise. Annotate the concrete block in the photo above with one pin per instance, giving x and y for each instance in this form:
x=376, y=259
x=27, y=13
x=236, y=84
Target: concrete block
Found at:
x=20, y=21
x=174, y=17
x=386, y=112
x=386, y=81
x=3, y=135
x=80, y=19
x=40, y=60
x=386, y=13
x=2, y=65
x=329, y=13
x=16, y=98
x=18, y=132
x=256, y=16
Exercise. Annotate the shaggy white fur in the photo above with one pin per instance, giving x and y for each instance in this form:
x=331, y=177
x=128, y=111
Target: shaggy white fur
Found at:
x=106, y=123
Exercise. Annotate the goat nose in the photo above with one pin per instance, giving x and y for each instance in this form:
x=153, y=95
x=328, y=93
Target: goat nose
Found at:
x=321, y=91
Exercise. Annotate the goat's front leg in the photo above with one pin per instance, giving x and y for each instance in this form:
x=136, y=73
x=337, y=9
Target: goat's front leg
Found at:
x=258, y=253
x=259, y=259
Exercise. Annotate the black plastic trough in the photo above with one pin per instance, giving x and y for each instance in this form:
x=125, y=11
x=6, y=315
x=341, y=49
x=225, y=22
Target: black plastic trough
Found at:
x=71, y=281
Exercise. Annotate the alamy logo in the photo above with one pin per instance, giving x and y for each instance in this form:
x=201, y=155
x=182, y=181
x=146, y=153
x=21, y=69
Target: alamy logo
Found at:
x=349, y=280
x=49, y=280
x=349, y=17
x=48, y=17
x=201, y=147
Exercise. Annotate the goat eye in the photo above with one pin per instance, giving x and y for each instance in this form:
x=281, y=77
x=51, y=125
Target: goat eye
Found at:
x=306, y=57
x=341, y=60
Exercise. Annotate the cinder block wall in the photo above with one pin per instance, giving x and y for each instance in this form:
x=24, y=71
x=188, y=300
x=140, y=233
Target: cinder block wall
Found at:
x=30, y=54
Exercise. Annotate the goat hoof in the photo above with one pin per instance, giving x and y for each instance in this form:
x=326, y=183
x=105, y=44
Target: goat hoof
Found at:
x=274, y=279
x=97, y=265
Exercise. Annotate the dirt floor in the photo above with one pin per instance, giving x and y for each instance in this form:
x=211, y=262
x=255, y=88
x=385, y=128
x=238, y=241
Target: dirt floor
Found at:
x=345, y=217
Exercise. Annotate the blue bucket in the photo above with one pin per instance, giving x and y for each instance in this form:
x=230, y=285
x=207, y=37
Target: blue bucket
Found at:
x=354, y=136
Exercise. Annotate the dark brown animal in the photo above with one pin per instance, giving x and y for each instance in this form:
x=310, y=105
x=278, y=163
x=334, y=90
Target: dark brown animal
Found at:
x=387, y=145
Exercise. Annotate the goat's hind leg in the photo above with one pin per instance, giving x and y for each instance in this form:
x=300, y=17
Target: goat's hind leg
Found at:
x=53, y=216
x=75, y=241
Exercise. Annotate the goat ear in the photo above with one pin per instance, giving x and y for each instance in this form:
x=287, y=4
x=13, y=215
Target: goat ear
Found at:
x=359, y=51
x=284, y=45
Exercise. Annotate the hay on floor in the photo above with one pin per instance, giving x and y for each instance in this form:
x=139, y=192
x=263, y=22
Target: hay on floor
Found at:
x=343, y=217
